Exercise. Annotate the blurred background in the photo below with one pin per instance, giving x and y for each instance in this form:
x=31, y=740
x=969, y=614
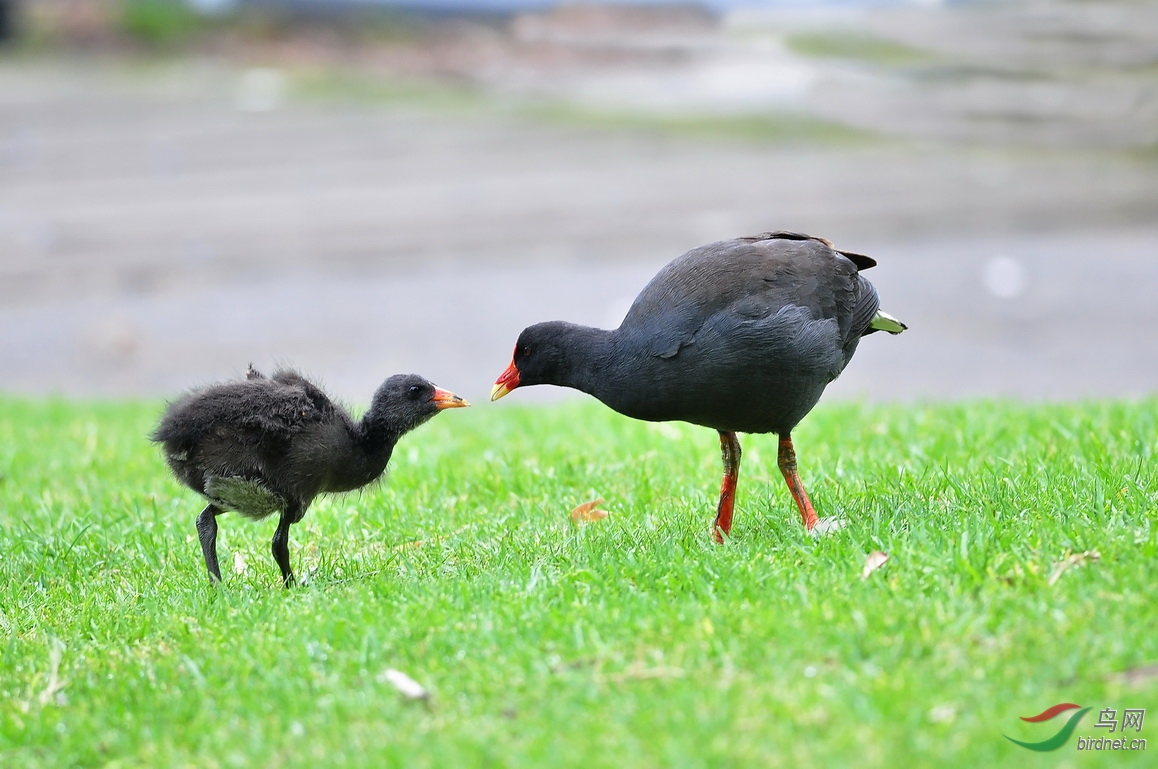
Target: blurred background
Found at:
x=364, y=188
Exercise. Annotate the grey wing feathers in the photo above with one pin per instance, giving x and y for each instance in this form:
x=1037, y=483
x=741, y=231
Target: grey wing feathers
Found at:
x=861, y=261
x=753, y=277
x=867, y=304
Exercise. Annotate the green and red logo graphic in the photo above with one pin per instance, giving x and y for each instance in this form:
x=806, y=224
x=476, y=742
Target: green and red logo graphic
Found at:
x=1132, y=718
x=1059, y=739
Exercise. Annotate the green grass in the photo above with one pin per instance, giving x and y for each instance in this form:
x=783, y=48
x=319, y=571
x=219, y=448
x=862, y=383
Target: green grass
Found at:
x=629, y=642
x=158, y=23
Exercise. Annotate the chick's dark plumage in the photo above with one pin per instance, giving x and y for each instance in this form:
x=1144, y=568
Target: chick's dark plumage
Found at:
x=264, y=445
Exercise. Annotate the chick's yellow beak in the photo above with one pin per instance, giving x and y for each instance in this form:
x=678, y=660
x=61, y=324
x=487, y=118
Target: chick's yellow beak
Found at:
x=445, y=399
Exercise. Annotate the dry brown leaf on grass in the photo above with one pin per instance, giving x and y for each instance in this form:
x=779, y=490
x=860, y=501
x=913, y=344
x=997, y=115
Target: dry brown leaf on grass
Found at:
x=872, y=562
x=1073, y=559
x=588, y=512
x=239, y=564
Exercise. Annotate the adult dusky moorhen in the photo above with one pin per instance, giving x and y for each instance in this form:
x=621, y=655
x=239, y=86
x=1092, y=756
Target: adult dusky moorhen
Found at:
x=740, y=335
x=264, y=445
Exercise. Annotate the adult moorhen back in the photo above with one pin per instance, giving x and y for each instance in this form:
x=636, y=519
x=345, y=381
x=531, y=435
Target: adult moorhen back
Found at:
x=741, y=336
x=265, y=445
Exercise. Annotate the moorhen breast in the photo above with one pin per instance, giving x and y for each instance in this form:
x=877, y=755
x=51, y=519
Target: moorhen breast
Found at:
x=740, y=336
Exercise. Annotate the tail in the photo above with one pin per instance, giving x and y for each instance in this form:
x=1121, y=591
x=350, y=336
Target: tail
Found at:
x=882, y=321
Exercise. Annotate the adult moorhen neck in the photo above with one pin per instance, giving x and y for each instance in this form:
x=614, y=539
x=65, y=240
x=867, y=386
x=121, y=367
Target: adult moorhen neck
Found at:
x=741, y=336
x=265, y=445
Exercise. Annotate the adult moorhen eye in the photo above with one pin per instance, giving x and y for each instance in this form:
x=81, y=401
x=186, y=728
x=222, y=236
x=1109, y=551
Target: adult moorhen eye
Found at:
x=265, y=445
x=741, y=336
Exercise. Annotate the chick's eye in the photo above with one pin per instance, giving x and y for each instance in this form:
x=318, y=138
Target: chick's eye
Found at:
x=414, y=391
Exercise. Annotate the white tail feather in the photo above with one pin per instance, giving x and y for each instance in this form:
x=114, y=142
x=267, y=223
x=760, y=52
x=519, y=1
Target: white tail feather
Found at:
x=882, y=321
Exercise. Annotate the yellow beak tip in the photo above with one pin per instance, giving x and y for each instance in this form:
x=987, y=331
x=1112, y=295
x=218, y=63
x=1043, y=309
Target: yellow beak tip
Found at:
x=498, y=391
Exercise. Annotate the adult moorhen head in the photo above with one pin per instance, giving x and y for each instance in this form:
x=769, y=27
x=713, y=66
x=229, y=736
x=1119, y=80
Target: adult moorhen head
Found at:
x=264, y=445
x=740, y=335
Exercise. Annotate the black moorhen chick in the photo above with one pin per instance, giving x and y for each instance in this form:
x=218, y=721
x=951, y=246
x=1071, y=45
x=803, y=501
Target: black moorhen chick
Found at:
x=265, y=445
x=741, y=336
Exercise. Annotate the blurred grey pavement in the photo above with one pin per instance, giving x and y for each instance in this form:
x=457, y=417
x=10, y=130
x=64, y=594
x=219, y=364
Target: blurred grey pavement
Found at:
x=155, y=235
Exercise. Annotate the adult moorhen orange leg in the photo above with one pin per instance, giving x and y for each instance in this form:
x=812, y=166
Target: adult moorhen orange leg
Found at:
x=786, y=458
x=730, y=451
